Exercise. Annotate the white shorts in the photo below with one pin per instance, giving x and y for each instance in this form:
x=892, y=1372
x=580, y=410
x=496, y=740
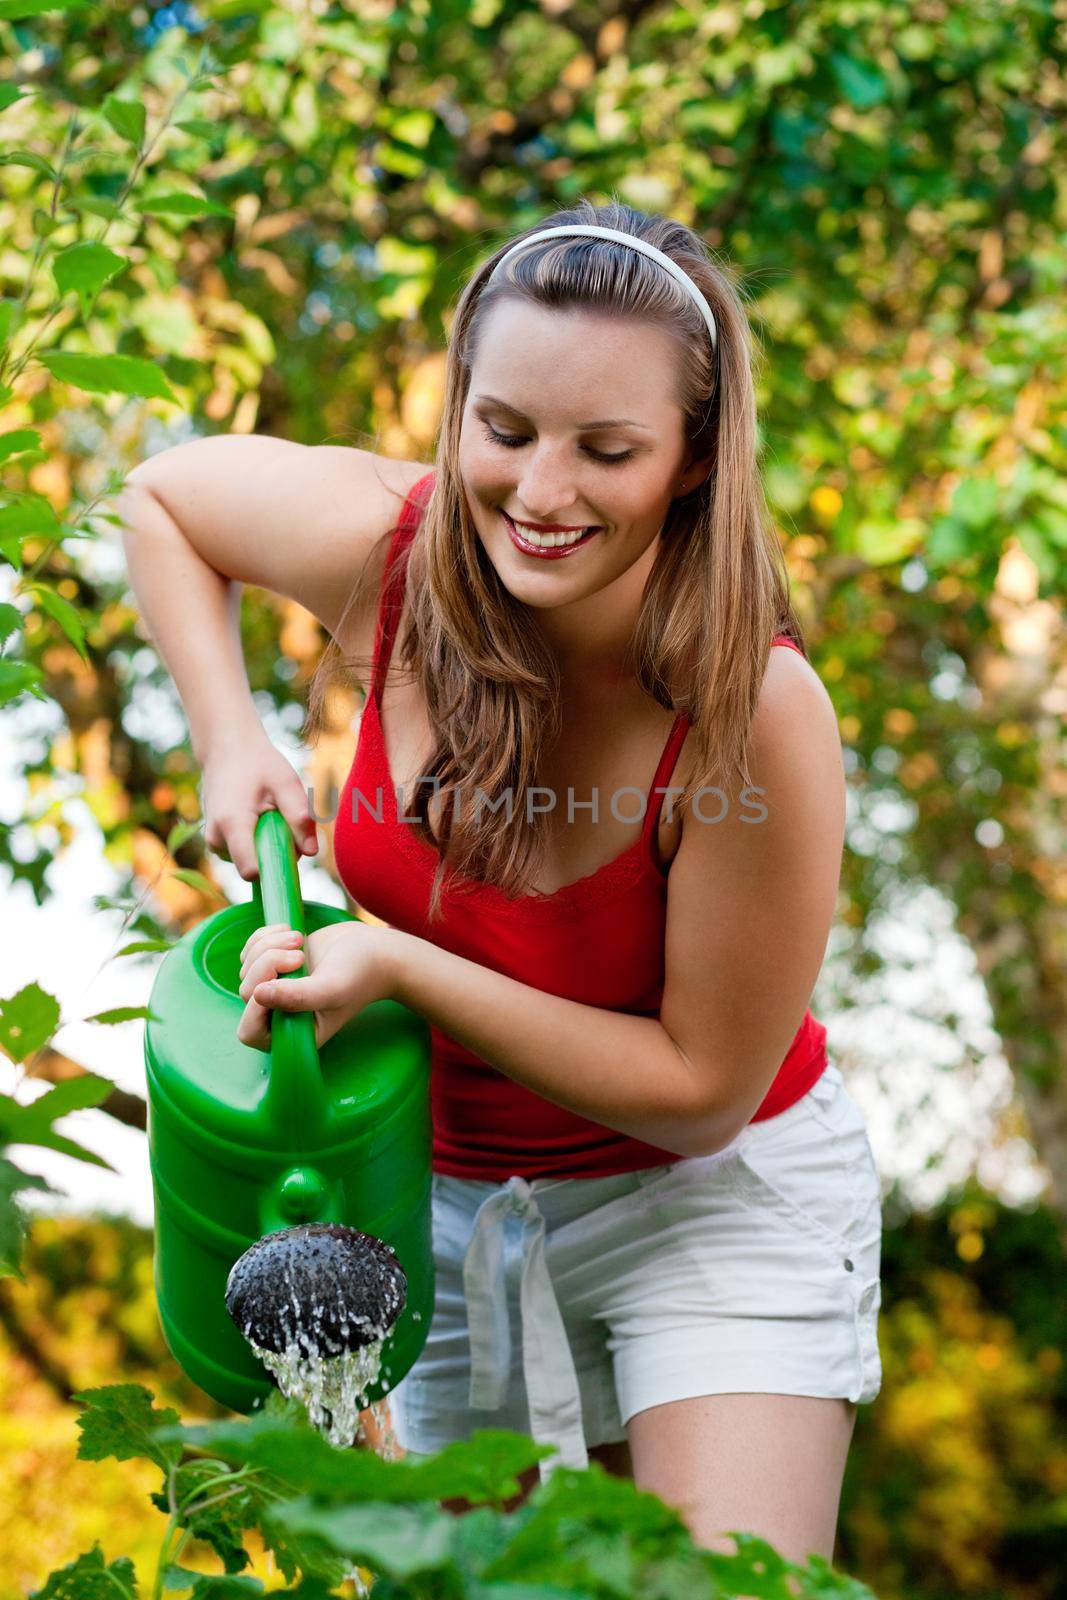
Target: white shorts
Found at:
x=564, y=1306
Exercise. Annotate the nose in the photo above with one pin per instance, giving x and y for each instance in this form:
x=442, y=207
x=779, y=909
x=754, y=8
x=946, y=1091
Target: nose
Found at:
x=545, y=485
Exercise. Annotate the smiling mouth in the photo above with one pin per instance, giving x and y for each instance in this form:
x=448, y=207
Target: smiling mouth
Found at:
x=530, y=542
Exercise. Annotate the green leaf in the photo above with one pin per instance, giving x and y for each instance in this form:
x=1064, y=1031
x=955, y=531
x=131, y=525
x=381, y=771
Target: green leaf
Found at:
x=200, y=127
x=949, y=541
x=29, y=158
x=180, y=833
x=485, y=1467
x=27, y=1019
x=413, y=127
x=210, y=1585
x=80, y=1093
x=880, y=540
x=143, y=947
x=127, y=117
x=196, y=880
x=84, y=267
x=860, y=83
x=9, y=93
x=10, y=317
x=14, y=10
x=122, y=1014
x=12, y=1222
x=109, y=374
x=20, y=677
x=65, y=614
x=90, y=1578
x=178, y=1578
x=11, y=621
x=17, y=441
x=975, y=501
x=32, y=1124
x=316, y=1588
x=1051, y=520
x=31, y=515
x=225, y=1586
x=183, y=205
x=220, y=1525
x=168, y=325
x=399, y=1540
x=95, y=205
x=120, y=1420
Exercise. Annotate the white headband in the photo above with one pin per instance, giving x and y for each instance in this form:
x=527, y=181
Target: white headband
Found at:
x=634, y=244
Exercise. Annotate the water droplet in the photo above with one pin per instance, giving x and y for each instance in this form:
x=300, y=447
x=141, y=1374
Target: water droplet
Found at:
x=331, y=1386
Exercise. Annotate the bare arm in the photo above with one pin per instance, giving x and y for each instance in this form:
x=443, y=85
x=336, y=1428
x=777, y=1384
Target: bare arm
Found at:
x=750, y=905
x=202, y=519
x=751, y=898
x=621, y=1071
x=193, y=615
x=299, y=520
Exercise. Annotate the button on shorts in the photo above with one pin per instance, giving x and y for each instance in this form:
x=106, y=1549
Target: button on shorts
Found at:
x=564, y=1306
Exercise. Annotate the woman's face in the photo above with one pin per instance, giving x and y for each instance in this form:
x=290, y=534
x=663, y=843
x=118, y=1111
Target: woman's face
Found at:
x=541, y=377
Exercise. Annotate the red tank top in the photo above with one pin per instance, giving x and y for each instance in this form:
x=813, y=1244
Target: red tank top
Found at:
x=599, y=941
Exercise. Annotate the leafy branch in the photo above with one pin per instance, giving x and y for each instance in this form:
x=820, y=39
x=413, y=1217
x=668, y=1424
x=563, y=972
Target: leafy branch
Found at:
x=579, y=1536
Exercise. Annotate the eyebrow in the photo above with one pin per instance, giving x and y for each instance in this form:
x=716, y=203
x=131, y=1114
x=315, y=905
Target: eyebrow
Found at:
x=583, y=427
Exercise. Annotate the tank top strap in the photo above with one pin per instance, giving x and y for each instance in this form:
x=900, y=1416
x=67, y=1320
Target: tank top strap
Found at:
x=392, y=590
x=783, y=638
x=667, y=760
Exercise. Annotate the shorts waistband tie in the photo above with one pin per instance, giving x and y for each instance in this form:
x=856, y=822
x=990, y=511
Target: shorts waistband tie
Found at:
x=548, y=1365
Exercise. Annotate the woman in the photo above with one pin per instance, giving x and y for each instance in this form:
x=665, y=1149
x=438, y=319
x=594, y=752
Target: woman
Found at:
x=656, y=1212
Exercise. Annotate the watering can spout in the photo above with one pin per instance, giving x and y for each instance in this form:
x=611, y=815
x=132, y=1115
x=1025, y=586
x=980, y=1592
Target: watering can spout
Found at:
x=322, y=1289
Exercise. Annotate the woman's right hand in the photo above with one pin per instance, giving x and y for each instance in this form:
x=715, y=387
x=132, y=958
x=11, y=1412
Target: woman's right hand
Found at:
x=238, y=785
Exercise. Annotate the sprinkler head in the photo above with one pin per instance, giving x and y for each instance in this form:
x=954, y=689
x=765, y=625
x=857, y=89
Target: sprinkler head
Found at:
x=321, y=1287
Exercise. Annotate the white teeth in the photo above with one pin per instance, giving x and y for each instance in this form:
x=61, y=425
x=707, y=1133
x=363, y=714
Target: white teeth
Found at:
x=548, y=541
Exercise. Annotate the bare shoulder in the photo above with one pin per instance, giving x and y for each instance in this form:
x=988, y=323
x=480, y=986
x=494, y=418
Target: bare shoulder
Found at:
x=794, y=726
x=791, y=687
x=795, y=744
x=299, y=520
x=375, y=490
x=752, y=894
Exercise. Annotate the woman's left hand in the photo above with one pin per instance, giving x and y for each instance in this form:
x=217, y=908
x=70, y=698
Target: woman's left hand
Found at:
x=347, y=970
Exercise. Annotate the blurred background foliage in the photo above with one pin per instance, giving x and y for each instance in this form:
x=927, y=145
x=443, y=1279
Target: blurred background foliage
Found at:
x=266, y=211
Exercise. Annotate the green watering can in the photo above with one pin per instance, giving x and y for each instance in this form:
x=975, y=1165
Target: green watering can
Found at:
x=332, y=1145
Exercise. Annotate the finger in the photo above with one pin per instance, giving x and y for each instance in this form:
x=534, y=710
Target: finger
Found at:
x=293, y=805
x=267, y=967
x=265, y=939
x=280, y=944
x=272, y=933
x=290, y=994
x=254, y=1027
x=243, y=855
x=236, y=846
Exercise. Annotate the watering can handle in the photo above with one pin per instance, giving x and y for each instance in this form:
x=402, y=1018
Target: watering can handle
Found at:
x=296, y=1095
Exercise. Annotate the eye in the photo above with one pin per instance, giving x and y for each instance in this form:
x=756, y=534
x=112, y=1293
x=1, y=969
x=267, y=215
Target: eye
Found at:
x=512, y=441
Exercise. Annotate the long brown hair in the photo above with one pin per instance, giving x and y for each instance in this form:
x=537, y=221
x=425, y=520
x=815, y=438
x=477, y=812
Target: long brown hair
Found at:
x=716, y=597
